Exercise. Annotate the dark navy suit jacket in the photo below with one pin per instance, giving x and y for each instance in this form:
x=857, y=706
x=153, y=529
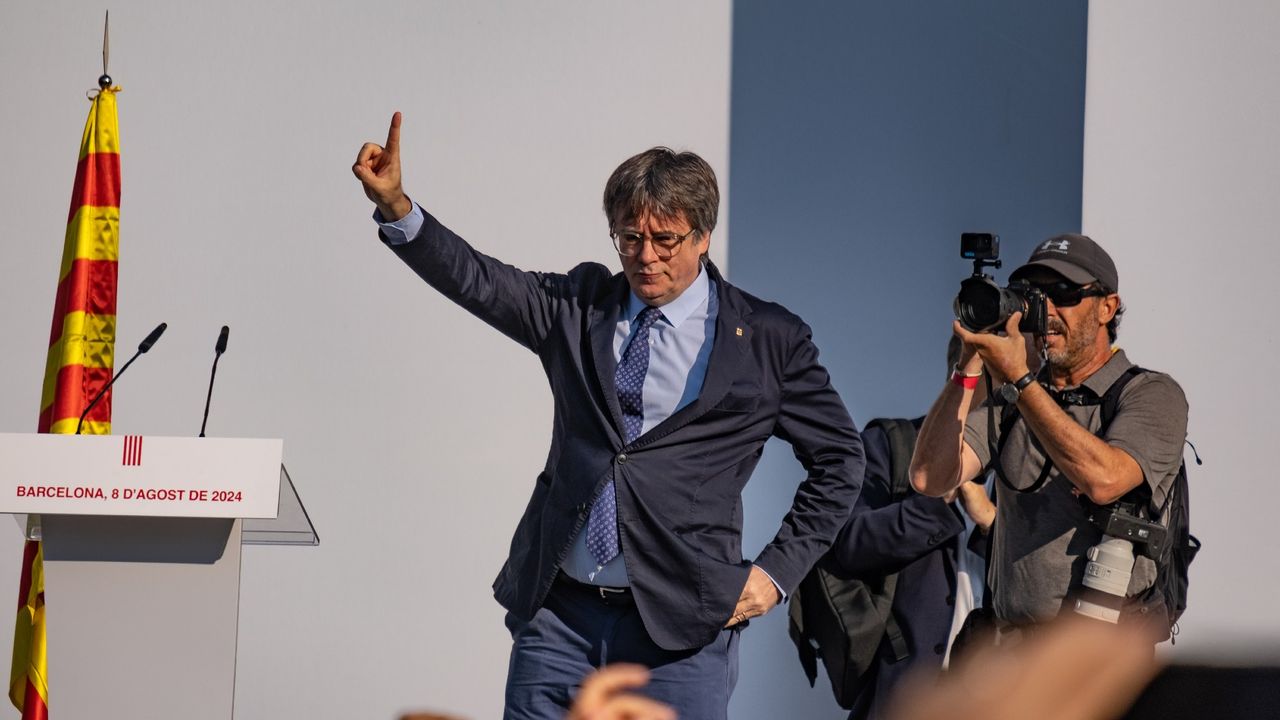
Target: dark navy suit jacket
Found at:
x=679, y=486
x=916, y=537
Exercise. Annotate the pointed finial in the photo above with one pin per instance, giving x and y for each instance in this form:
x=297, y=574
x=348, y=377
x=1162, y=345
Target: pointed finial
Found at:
x=104, y=82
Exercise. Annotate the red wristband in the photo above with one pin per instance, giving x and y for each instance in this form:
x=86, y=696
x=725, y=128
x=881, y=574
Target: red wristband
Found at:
x=968, y=382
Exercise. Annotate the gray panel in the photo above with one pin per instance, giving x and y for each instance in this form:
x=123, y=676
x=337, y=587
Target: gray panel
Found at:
x=141, y=632
x=415, y=431
x=98, y=538
x=292, y=526
x=866, y=137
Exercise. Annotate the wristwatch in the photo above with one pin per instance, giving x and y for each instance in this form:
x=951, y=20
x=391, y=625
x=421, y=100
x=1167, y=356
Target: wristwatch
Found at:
x=1011, y=391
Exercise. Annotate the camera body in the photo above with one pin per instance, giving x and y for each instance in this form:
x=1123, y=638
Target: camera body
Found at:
x=1120, y=521
x=982, y=305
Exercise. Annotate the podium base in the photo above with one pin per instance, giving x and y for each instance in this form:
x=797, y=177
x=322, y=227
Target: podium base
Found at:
x=141, y=616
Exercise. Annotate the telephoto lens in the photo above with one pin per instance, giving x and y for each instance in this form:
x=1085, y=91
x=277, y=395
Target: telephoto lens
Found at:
x=1106, y=580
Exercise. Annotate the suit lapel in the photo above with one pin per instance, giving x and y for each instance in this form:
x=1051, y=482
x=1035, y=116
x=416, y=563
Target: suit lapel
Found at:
x=603, y=327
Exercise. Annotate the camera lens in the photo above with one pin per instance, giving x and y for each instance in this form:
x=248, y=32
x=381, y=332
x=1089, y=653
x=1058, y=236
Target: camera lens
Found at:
x=977, y=306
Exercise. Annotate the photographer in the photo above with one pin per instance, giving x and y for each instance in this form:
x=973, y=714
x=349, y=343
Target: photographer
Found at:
x=1050, y=458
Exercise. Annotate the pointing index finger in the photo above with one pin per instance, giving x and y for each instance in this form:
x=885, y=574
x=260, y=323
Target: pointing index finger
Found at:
x=393, y=134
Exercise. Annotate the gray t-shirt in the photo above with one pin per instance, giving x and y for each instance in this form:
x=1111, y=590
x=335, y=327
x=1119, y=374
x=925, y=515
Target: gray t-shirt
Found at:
x=1040, y=538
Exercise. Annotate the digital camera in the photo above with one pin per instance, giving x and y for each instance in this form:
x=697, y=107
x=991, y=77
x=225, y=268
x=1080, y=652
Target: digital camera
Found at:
x=984, y=306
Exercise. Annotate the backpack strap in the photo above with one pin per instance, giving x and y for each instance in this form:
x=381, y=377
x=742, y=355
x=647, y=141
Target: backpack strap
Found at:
x=1141, y=495
x=897, y=642
x=1170, y=587
x=1111, y=398
x=902, y=442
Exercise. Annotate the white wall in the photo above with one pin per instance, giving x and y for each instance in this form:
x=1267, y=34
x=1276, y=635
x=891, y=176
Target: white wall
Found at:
x=412, y=430
x=1182, y=176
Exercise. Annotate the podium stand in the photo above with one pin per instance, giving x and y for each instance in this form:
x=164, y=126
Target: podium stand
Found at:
x=141, y=539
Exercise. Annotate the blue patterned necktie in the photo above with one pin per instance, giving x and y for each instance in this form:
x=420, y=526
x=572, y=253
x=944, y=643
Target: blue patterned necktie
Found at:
x=602, y=526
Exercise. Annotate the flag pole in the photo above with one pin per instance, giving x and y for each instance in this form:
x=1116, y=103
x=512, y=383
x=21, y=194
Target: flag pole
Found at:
x=104, y=82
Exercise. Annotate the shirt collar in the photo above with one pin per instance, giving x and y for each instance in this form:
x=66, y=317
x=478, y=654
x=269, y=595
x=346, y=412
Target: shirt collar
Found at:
x=678, y=310
x=1098, y=383
x=1110, y=371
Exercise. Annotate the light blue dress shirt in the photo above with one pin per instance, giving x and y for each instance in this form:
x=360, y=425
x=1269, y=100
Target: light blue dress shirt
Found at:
x=403, y=230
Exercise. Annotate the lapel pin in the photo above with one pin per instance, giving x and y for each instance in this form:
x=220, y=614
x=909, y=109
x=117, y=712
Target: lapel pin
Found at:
x=739, y=332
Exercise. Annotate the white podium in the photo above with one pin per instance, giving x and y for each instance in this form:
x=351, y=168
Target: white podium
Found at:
x=141, y=539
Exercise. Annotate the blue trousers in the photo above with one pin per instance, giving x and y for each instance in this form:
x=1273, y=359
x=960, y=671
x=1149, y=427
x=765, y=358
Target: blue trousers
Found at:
x=576, y=631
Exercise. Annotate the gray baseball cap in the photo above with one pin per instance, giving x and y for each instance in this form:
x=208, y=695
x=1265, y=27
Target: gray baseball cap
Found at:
x=1077, y=258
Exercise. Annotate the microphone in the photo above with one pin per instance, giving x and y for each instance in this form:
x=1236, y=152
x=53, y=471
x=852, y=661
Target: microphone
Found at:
x=218, y=348
x=148, y=341
x=143, y=346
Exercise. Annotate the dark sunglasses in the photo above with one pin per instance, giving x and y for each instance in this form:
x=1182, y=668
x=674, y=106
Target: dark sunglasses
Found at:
x=1068, y=294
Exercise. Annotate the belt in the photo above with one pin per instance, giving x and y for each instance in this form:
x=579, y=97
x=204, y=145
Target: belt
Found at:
x=603, y=593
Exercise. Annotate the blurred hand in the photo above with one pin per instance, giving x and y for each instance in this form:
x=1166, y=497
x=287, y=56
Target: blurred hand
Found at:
x=604, y=696
x=1077, y=669
x=378, y=169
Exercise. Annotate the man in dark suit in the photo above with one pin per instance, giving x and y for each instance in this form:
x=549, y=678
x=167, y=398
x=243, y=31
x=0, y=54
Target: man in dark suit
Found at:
x=666, y=381
x=937, y=547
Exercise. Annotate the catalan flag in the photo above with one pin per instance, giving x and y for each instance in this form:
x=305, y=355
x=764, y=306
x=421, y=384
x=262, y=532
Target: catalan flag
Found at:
x=81, y=355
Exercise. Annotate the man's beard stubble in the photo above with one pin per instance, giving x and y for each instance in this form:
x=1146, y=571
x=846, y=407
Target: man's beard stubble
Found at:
x=1078, y=345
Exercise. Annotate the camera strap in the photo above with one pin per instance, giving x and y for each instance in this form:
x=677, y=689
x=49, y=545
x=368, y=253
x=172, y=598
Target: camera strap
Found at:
x=1109, y=402
x=1009, y=415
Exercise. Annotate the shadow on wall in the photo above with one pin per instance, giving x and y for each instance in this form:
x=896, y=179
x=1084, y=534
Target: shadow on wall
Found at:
x=865, y=138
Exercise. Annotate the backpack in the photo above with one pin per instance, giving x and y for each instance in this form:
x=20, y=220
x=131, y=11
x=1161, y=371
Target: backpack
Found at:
x=1174, y=556
x=843, y=621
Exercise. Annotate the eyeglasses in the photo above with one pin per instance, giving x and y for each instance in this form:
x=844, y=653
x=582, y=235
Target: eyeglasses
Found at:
x=1067, y=294
x=665, y=245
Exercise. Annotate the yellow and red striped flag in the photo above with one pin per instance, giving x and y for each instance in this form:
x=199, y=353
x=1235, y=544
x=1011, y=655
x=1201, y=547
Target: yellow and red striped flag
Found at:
x=80, y=360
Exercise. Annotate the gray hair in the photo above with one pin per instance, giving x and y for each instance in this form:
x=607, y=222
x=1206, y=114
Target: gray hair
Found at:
x=1113, y=325
x=666, y=184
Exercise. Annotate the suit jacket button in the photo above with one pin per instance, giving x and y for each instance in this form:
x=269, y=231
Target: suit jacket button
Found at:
x=939, y=648
x=935, y=538
x=622, y=458
x=582, y=507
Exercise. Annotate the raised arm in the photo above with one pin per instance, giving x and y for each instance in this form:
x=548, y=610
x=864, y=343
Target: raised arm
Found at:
x=942, y=460
x=520, y=304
